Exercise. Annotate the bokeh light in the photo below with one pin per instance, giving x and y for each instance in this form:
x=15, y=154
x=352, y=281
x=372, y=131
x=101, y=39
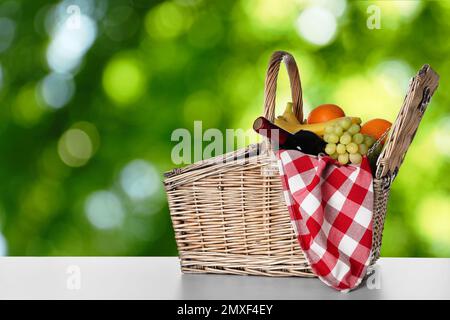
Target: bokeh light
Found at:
x=317, y=25
x=395, y=75
x=26, y=109
x=7, y=31
x=270, y=14
x=66, y=8
x=167, y=20
x=402, y=9
x=139, y=179
x=41, y=201
x=75, y=147
x=104, y=210
x=123, y=80
x=91, y=130
x=69, y=44
x=442, y=136
x=57, y=89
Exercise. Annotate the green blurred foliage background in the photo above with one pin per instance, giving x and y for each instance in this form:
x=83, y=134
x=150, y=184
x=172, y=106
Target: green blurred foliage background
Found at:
x=90, y=92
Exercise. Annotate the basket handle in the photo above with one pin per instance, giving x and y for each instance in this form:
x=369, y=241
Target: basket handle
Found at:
x=271, y=85
x=421, y=89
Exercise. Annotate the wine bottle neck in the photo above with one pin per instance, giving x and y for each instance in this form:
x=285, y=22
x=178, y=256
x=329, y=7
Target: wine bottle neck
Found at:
x=271, y=131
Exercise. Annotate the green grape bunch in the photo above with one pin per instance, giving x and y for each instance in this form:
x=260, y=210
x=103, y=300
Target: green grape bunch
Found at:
x=345, y=143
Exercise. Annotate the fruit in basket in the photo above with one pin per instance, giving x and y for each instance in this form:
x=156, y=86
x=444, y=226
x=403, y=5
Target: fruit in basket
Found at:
x=345, y=123
x=338, y=130
x=358, y=138
x=345, y=142
x=343, y=158
x=340, y=148
x=290, y=123
x=369, y=140
x=331, y=138
x=355, y=157
x=330, y=148
x=354, y=129
x=324, y=113
x=362, y=149
x=346, y=138
x=376, y=128
x=352, y=148
x=289, y=116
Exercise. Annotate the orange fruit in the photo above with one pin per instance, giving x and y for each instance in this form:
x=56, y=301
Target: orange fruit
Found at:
x=376, y=128
x=324, y=113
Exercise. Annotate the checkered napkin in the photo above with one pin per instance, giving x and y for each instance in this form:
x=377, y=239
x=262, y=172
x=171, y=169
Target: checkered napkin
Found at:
x=331, y=211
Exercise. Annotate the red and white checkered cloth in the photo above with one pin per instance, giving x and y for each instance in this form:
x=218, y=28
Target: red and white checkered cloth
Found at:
x=331, y=209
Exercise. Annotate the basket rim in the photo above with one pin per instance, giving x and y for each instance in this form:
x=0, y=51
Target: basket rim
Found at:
x=186, y=175
x=251, y=150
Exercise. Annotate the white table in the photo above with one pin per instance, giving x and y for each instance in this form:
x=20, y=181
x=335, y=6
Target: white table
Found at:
x=160, y=278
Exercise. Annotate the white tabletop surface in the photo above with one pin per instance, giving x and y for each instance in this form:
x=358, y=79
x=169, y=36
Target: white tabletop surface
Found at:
x=160, y=278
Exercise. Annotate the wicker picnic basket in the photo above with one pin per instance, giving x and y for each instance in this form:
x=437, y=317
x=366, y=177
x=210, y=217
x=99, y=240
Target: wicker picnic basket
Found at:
x=229, y=214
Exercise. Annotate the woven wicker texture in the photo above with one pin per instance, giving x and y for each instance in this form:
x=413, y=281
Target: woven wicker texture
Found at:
x=229, y=214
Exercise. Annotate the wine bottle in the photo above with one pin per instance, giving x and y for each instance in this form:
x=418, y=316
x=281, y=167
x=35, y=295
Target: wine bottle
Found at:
x=303, y=140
